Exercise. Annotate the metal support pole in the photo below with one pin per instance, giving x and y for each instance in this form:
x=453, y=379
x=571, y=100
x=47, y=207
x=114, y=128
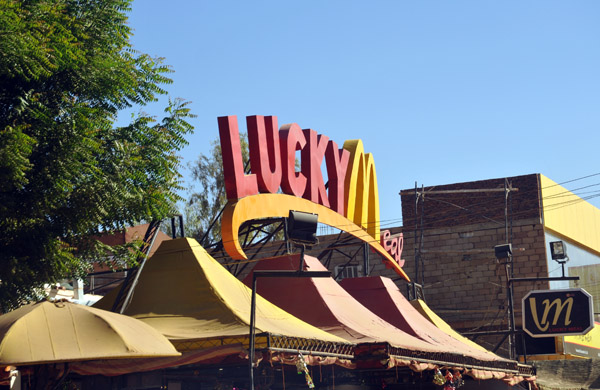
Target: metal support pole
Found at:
x=549, y=279
x=509, y=267
x=366, y=259
x=302, y=249
x=416, y=224
x=271, y=274
x=511, y=310
x=252, y=332
x=524, y=347
x=422, y=238
x=286, y=236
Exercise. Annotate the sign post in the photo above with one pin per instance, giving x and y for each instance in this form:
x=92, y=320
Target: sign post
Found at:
x=549, y=313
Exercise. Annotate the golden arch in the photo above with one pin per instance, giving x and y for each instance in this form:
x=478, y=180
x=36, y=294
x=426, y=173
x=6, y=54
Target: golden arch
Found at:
x=259, y=206
x=361, y=190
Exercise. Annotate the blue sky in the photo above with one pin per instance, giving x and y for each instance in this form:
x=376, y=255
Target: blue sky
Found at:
x=439, y=91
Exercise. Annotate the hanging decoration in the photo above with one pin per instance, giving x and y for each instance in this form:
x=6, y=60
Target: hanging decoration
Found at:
x=303, y=369
x=438, y=378
x=449, y=384
x=458, y=379
x=449, y=381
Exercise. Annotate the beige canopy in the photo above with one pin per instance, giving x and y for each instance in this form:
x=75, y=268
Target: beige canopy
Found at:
x=52, y=332
x=192, y=299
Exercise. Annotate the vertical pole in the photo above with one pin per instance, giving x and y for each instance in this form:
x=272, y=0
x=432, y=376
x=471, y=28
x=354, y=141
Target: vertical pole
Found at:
x=509, y=276
x=302, y=258
x=422, y=236
x=524, y=348
x=416, y=224
x=510, y=211
x=366, y=264
x=286, y=236
x=173, y=231
x=251, y=345
x=181, y=226
x=511, y=312
x=506, y=211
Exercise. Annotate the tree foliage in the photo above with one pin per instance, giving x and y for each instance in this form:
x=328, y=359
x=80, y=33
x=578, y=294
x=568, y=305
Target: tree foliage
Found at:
x=66, y=169
x=206, y=201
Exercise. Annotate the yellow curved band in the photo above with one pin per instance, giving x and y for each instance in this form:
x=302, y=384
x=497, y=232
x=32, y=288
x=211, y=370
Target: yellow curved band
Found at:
x=279, y=205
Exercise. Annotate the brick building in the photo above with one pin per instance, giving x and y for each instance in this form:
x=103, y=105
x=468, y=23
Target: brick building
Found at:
x=458, y=225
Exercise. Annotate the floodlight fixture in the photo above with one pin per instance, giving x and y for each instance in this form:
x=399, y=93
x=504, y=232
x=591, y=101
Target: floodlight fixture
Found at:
x=302, y=228
x=503, y=251
x=558, y=251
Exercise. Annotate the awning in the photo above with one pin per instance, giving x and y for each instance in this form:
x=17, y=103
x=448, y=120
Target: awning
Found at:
x=525, y=371
x=382, y=296
x=324, y=303
x=56, y=332
x=212, y=355
x=430, y=315
x=196, y=303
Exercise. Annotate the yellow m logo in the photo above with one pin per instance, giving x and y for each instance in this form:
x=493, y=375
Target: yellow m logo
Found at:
x=362, y=193
x=544, y=324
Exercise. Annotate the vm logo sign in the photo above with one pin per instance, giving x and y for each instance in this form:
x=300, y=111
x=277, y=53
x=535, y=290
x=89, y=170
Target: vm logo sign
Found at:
x=552, y=313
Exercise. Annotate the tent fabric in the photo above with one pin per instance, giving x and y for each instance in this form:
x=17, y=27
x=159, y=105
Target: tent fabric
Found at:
x=127, y=366
x=187, y=295
x=382, y=296
x=213, y=355
x=436, y=320
x=53, y=332
x=325, y=304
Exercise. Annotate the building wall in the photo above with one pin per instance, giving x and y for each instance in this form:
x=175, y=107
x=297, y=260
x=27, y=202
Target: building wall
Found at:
x=463, y=281
x=459, y=225
x=472, y=203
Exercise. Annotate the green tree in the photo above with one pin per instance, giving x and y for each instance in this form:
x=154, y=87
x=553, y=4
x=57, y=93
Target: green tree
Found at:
x=67, y=170
x=208, y=199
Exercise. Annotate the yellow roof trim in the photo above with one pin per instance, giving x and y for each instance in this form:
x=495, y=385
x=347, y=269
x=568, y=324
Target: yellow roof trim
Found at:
x=426, y=311
x=569, y=216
